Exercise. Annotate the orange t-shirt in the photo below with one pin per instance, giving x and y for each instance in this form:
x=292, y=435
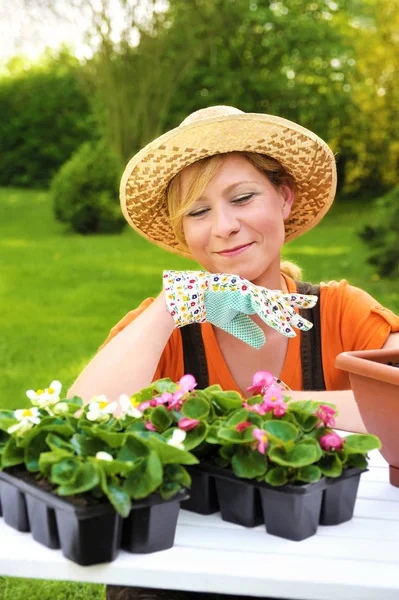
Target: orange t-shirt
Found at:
x=350, y=319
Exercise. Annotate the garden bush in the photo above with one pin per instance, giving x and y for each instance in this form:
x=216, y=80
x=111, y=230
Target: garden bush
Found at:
x=382, y=236
x=45, y=117
x=85, y=191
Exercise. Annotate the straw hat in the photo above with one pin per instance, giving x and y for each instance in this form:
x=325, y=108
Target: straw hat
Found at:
x=216, y=130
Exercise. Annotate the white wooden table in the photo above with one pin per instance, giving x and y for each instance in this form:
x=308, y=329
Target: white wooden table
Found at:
x=355, y=560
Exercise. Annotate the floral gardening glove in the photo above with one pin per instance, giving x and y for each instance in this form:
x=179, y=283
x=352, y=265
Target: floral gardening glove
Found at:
x=226, y=300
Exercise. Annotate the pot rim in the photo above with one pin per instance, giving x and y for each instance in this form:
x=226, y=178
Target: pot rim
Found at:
x=363, y=362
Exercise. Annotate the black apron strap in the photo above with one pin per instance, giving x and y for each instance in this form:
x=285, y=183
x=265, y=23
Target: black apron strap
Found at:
x=311, y=354
x=194, y=354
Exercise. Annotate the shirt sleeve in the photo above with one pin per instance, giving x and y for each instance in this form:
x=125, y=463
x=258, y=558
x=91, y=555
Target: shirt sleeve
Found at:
x=363, y=322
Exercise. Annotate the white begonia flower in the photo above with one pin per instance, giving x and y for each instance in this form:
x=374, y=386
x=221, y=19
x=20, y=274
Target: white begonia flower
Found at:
x=27, y=417
x=128, y=407
x=177, y=439
x=100, y=409
x=46, y=397
x=104, y=456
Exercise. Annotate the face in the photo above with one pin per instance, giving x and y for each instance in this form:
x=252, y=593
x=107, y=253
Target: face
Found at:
x=237, y=225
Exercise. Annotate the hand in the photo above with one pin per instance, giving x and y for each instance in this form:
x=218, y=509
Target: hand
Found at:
x=226, y=300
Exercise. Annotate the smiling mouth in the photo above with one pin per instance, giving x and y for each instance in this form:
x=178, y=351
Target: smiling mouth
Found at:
x=235, y=250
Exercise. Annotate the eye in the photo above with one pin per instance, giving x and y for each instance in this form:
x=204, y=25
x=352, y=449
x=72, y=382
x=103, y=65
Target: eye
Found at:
x=198, y=213
x=242, y=199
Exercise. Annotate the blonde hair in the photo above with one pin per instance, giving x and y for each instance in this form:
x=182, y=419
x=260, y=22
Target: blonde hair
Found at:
x=202, y=171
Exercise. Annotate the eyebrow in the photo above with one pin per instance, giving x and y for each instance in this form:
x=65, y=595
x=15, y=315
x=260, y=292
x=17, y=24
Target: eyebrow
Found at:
x=229, y=188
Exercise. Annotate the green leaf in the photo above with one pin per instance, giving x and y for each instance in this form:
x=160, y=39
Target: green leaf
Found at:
x=315, y=444
x=238, y=416
x=136, y=426
x=212, y=435
x=176, y=474
x=330, y=465
x=84, y=445
x=145, y=479
x=304, y=420
x=277, y=476
x=56, y=425
x=87, y=478
x=7, y=419
x=55, y=442
x=236, y=437
x=12, y=454
x=307, y=406
x=33, y=451
x=48, y=459
x=195, y=436
x=309, y=474
x=361, y=443
x=169, y=489
x=112, y=438
x=300, y=455
x=65, y=472
x=133, y=450
x=161, y=418
x=247, y=463
x=195, y=408
x=357, y=460
x=227, y=400
x=227, y=451
x=280, y=430
x=119, y=499
x=170, y=454
x=165, y=385
x=120, y=467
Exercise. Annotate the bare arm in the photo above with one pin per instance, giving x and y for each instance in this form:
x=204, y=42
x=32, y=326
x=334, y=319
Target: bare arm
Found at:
x=128, y=362
x=349, y=418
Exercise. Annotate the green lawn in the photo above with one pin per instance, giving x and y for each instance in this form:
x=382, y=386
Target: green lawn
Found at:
x=60, y=293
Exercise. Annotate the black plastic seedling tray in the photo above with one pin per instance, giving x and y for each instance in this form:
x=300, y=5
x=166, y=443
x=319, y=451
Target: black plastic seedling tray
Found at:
x=89, y=535
x=291, y=511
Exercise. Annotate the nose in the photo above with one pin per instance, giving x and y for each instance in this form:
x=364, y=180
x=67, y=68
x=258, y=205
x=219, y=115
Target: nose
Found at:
x=224, y=221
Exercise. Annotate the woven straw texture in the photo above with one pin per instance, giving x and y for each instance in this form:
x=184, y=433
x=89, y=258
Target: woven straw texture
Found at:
x=225, y=129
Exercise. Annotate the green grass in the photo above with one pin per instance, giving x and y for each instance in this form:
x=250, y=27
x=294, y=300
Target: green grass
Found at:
x=60, y=293
x=37, y=589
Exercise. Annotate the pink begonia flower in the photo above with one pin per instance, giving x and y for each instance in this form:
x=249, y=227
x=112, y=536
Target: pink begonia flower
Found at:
x=258, y=408
x=187, y=424
x=331, y=442
x=261, y=380
x=162, y=399
x=242, y=426
x=261, y=436
x=273, y=401
x=150, y=426
x=326, y=416
x=186, y=384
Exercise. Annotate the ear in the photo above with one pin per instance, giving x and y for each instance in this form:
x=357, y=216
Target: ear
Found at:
x=288, y=196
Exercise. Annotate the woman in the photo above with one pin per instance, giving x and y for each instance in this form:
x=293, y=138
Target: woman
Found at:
x=229, y=189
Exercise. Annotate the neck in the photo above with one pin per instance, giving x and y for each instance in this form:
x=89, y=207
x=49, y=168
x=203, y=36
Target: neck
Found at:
x=272, y=279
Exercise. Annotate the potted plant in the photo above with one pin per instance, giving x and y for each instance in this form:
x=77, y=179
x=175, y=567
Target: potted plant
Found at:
x=374, y=379
x=269, y=459
x=93, y=478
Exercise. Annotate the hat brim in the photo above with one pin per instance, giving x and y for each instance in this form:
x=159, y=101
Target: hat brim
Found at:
x=305, y=156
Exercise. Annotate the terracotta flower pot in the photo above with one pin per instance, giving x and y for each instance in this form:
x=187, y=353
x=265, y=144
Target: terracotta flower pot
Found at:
x=375, y=385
